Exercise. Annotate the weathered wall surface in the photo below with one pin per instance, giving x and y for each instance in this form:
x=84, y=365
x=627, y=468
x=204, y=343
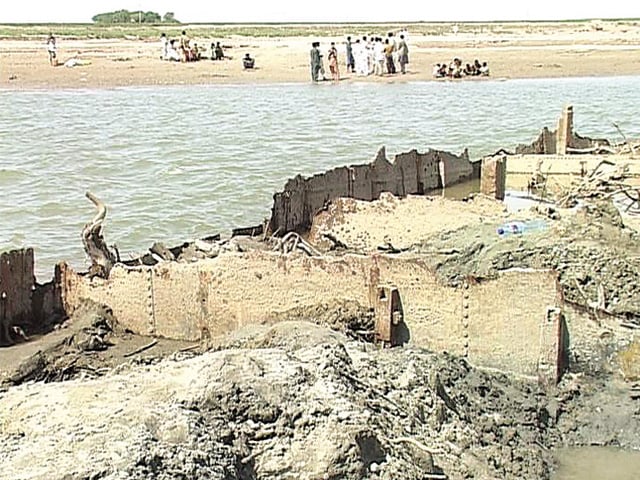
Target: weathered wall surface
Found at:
x=409, y=173
x=564, y=168
x=494, y=322
x=558, y=141
x=494, y=176
x=17, y=282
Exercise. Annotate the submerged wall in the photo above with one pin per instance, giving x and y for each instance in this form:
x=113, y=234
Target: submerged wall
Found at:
x=494, y=323
x=409, y=173
x=17, y=282
x=25, y=306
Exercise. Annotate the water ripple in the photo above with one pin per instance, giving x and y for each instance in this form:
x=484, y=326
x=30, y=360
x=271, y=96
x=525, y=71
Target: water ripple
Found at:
x=181, y=162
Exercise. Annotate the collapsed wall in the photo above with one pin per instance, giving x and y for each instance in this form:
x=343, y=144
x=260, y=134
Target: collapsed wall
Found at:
x=493, y=322
x=409, y=173
x=17, y=282
x=561, y=141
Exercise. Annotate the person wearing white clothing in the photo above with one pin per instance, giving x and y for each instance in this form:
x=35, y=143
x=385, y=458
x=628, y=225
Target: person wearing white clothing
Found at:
x=164, y=47
x=378, y=57
x=51, y=48
x=360, y=55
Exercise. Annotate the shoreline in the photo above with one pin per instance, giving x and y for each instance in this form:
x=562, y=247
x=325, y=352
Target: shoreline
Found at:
x=269, y=83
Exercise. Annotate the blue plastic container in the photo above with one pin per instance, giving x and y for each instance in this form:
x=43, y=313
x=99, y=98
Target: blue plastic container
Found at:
x=518, y=227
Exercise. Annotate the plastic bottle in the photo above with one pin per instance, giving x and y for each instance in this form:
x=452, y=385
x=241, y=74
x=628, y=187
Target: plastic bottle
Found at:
x=519, y=227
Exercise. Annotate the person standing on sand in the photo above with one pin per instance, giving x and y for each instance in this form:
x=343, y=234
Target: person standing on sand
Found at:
x=164, y=45
x=378, y=57
x=314, y=57
x=351, y=63
x=394, y=54
x=388, y=55
x=333, y=63
x=403, y=54
x=184, y=47
x=51, y=48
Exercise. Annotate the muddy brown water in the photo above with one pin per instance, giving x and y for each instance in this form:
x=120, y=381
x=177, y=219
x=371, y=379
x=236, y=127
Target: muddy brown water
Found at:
x=597, y=463
x=177, y=163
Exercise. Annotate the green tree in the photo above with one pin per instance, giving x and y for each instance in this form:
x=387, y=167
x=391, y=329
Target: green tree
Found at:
x=170, y=17
x=119, y=16
x=125, y=16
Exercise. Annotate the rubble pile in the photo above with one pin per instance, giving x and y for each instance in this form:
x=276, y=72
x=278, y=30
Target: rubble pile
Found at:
x=596, y=257
x=330, y=407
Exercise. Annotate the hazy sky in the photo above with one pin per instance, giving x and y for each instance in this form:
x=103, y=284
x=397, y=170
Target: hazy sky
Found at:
x=35, y=11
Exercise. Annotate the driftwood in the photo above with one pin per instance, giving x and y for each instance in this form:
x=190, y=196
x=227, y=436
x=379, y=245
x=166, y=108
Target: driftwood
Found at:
x=153, y=343
x=292, y=241
x=102, y=258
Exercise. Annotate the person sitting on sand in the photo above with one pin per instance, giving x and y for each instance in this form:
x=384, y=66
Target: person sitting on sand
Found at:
x=51, y=48
x=484, y=70
x=248, y=62
x=195, y=52
x=455, y=68
x=219, y=52
x=76, y=61
x=172, y=52
x=468, y=70
x=477, y=66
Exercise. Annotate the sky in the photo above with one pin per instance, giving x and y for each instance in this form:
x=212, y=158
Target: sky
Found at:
x=202, y=11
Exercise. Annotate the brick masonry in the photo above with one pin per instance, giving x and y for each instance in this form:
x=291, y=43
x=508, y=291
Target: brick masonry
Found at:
x=495, y=323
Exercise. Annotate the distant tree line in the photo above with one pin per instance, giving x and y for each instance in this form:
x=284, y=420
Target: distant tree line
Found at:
x=125, y=16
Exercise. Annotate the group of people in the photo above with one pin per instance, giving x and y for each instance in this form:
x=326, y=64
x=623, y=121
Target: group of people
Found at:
x=455, y=69
x=375, y=55
x=179, y=50
x=74, y=61
x=370, y=55
x=183, y=50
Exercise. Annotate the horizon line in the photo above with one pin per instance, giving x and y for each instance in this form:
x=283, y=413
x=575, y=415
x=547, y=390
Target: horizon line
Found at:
x=298, y=23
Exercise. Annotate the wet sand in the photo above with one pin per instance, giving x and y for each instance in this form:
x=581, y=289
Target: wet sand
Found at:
x=523, y=50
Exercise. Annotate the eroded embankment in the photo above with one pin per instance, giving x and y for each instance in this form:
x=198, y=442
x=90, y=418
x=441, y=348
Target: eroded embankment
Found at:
x=596, y=257
x=303, y=401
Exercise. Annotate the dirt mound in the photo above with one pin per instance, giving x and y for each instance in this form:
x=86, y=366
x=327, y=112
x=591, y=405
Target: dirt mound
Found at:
x=334, y=409
x=597, y=259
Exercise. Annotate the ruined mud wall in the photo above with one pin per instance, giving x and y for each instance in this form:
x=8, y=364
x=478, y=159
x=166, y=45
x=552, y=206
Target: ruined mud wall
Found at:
x=17, y=281
x=494, y=323
x=547, y=142
x=559, y=141
x=410, y=173
x=564, y=168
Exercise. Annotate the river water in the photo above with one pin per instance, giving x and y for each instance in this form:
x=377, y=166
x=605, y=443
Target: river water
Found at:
x=597, y=463
x=175, y=163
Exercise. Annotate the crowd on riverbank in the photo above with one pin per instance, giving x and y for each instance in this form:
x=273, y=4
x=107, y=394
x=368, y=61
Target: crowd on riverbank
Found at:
x=369, y=55
x=282, y=53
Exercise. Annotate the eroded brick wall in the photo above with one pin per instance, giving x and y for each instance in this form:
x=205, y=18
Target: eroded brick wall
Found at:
x=17, y=283
x=493, y=322
x=409, y=173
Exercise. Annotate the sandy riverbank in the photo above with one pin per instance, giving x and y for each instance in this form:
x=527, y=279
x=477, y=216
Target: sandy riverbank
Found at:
x=522, y=50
